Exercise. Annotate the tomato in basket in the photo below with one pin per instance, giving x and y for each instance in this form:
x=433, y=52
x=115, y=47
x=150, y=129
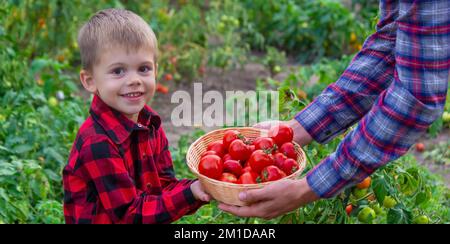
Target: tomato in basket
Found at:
x=232, y=166
x=288, y=149
x=211, y=166
x=272, y=173
x=218, y=147
x=289, y=166
x=281, y=134
x=263, y=143
x=259, y=160
x=279, y=159
x=230, y=136
x=239, y=150
x=237, y=159
x=228, y=177
x=248, y=177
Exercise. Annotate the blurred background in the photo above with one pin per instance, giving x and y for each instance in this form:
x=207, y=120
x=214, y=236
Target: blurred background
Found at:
x=297, y=47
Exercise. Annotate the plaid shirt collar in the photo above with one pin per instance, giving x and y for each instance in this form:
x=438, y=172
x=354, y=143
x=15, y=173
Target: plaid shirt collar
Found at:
x=118, y=126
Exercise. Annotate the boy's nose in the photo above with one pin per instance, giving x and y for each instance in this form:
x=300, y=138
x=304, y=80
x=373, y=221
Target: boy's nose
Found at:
x=134, y=80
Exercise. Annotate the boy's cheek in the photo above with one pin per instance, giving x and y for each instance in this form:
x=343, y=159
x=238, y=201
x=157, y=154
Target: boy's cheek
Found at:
x=152, y=91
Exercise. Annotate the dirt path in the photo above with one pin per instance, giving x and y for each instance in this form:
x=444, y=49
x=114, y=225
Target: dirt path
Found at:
x=434, y=164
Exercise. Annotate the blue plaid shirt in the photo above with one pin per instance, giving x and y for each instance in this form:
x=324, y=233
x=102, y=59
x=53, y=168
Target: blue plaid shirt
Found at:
x=395, y=87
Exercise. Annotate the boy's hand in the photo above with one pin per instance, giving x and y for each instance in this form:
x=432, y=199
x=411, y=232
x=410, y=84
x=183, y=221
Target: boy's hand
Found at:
x=199, y=193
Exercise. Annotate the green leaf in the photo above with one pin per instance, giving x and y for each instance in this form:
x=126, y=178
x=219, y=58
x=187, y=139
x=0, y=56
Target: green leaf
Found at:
x=52, y=175
x=52, y=153
x=38, y=64
x=399, y=215
x=380, y=188
x=3, y=195
x=21, y=149
x=5, y=149
x=7, y=169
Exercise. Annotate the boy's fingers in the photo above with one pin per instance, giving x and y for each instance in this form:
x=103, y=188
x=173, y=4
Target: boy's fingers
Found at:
x=206, y=197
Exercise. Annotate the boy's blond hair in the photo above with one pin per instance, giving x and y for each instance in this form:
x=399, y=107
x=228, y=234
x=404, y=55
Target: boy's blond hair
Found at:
x=111, y=27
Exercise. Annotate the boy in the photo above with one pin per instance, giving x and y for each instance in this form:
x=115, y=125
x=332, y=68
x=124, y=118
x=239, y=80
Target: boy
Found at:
x=120, y=169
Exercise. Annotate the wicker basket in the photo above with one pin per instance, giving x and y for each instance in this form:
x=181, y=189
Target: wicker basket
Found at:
x=224, y=191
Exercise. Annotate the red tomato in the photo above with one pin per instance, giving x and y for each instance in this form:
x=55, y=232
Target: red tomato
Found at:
x=349, y=209
x=218, y=147
x=162, y=88
x=252, y=148
x=420, y=147
x=289, y=166
x=259, y=160
x=232, y=166
x=228, y=177
x=208, y=153
x=229, y=137
x=211, y=166
x=288, y=149
x=239, y=151
x=173, y=60
x=248, y=178
x=281, y=134
x=272, y=173
x=168, y=77
x=246, y=169
x=263, y=143
x=226, y=157
x=279, y=159
x=365, y=183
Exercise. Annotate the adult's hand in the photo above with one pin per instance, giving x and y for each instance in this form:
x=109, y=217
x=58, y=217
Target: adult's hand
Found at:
x=273, y=200
x=301, y=136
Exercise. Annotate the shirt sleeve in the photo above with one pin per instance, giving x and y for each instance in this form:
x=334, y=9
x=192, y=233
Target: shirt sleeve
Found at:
x=167, y=172
x=103, y=166
x=347, y=100
x=405, y=110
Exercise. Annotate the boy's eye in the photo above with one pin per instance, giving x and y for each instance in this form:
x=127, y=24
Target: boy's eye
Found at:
x=118, y=71
x=145, y=69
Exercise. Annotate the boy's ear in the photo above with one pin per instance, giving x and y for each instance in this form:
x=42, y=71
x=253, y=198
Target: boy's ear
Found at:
x=88, y=81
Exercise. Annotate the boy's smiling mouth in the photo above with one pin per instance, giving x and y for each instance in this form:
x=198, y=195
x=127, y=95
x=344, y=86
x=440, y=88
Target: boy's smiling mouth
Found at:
x=132, y=94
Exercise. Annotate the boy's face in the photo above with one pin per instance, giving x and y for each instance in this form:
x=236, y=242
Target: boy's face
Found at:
x=123, y=80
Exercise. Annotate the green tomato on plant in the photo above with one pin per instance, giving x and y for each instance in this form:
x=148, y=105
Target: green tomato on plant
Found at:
x=366, y=215
x=422, y=219
x=389, y=202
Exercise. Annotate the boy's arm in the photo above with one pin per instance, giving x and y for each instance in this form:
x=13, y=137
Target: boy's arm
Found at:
x=405, y=110
x=101, y=164
x=166, y=171
x=371, y=71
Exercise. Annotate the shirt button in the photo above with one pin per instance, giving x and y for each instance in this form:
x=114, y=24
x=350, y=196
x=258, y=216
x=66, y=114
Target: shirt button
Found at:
x=139, y=125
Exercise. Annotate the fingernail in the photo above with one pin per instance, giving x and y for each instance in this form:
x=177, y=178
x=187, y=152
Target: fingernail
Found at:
x=242, y=196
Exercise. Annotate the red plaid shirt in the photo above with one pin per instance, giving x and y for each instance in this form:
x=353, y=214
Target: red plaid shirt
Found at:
x=121, y=172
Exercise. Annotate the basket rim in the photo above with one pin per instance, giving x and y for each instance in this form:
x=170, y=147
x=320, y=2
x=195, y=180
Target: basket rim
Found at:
x=218, y=182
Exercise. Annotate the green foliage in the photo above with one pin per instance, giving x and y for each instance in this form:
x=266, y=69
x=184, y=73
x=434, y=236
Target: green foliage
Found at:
x=41, y=108
x=308, y=30
x=225, y=47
